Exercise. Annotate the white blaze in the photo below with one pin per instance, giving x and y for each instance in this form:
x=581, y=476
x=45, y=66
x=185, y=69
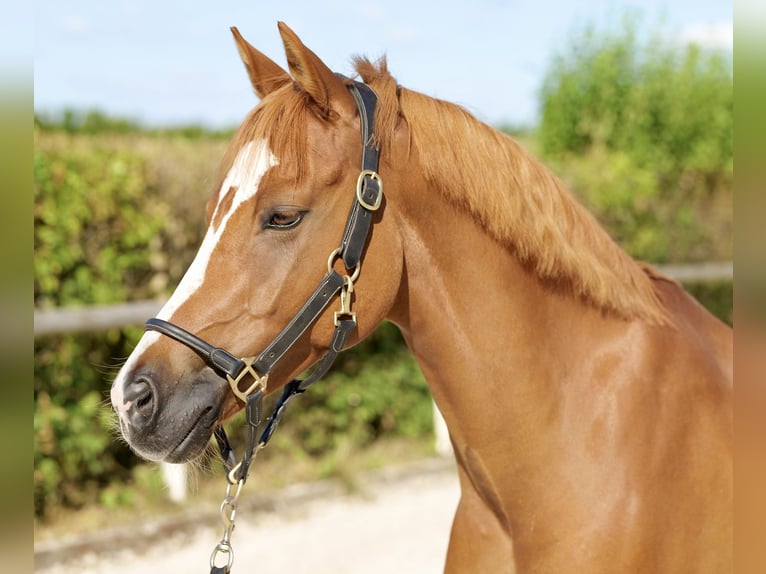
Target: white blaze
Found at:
x=251, y=163
x=244, y=177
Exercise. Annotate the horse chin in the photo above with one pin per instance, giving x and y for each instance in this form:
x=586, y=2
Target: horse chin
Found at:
x=195, y=441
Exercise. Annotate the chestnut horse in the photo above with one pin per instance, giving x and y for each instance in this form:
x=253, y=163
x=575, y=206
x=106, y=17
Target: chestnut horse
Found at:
x=588, y=397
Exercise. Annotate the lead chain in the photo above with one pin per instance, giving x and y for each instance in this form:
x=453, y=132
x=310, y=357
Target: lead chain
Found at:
x=228, y=516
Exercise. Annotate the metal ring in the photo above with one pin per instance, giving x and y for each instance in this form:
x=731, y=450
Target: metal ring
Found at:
x=222, y=548
x=355, y=274
x=232, y=478
x=331, y=259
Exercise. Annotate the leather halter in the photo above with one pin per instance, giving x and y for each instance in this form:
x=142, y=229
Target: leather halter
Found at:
x=369, y=194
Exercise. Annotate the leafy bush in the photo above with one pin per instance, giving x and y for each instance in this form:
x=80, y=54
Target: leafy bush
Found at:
x=96, y=122
x=716, y=296
x=376, y=389
x=643, y=133
x=106, y=220
x=75, y=454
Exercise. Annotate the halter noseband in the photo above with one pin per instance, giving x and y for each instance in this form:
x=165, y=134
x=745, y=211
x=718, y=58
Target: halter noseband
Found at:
x=369, y=194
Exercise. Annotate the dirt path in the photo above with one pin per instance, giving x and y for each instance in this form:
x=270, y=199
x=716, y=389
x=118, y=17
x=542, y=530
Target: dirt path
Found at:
x=399, y=522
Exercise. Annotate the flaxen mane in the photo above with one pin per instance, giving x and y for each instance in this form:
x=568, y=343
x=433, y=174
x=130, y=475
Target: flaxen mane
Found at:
x=515, y=197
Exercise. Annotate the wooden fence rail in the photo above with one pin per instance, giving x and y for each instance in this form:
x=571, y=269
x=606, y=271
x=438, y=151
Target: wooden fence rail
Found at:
x=96, y=318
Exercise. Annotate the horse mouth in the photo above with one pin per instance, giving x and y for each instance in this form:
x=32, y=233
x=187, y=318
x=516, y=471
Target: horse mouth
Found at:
x=196, y=438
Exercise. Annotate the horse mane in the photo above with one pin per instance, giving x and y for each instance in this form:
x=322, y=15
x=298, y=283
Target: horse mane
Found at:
x=512, y=195
x=519, y=201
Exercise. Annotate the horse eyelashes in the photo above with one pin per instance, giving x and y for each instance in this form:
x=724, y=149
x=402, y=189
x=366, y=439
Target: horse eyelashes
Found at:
x=286, y=219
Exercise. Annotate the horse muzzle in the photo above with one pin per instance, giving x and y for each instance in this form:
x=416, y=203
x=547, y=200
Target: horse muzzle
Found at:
x=167, y=422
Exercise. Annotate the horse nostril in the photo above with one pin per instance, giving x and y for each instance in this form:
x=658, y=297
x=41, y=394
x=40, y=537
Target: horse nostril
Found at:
x=139, y=395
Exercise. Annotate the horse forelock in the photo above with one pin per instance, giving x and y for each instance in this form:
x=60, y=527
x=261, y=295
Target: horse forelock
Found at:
x=515, y=198
x=280, y=119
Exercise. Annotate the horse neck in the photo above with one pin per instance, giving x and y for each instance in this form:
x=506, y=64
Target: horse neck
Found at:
x=549, y=398
x=478, y=322
x=493, y=342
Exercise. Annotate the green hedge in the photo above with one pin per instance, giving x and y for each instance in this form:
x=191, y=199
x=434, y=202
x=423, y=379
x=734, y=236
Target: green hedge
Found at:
x=641, y=128
x=106, y=225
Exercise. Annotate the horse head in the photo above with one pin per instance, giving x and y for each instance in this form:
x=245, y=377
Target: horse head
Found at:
x=274, y=225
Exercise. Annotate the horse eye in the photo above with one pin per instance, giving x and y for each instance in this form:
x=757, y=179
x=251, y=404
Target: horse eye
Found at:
x=285, y=219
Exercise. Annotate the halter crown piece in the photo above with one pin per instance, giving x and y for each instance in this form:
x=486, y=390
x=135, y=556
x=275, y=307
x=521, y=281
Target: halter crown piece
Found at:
x=254, y=371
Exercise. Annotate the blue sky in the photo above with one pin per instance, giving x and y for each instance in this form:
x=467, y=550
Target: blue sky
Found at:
x=174, y=62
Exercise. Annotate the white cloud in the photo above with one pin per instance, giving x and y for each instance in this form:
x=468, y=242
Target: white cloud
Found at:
x=719, y=35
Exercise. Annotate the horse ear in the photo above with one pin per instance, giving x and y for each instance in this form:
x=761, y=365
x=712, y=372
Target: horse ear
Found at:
x=324, y=88
x=265, y=75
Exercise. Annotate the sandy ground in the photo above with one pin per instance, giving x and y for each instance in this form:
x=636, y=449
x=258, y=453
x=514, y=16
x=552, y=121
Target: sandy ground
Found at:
x=399, y=522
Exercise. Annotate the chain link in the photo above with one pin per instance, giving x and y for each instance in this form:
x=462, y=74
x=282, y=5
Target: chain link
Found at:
x=228, y=513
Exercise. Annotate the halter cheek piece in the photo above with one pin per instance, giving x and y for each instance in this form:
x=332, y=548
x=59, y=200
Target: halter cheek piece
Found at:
x=369, y=194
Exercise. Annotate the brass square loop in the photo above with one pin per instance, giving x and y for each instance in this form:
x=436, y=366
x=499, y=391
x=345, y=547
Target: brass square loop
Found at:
x=259, y=382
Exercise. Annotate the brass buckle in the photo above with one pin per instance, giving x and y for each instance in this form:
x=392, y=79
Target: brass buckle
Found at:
x=259, y=381
x=359, y=182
